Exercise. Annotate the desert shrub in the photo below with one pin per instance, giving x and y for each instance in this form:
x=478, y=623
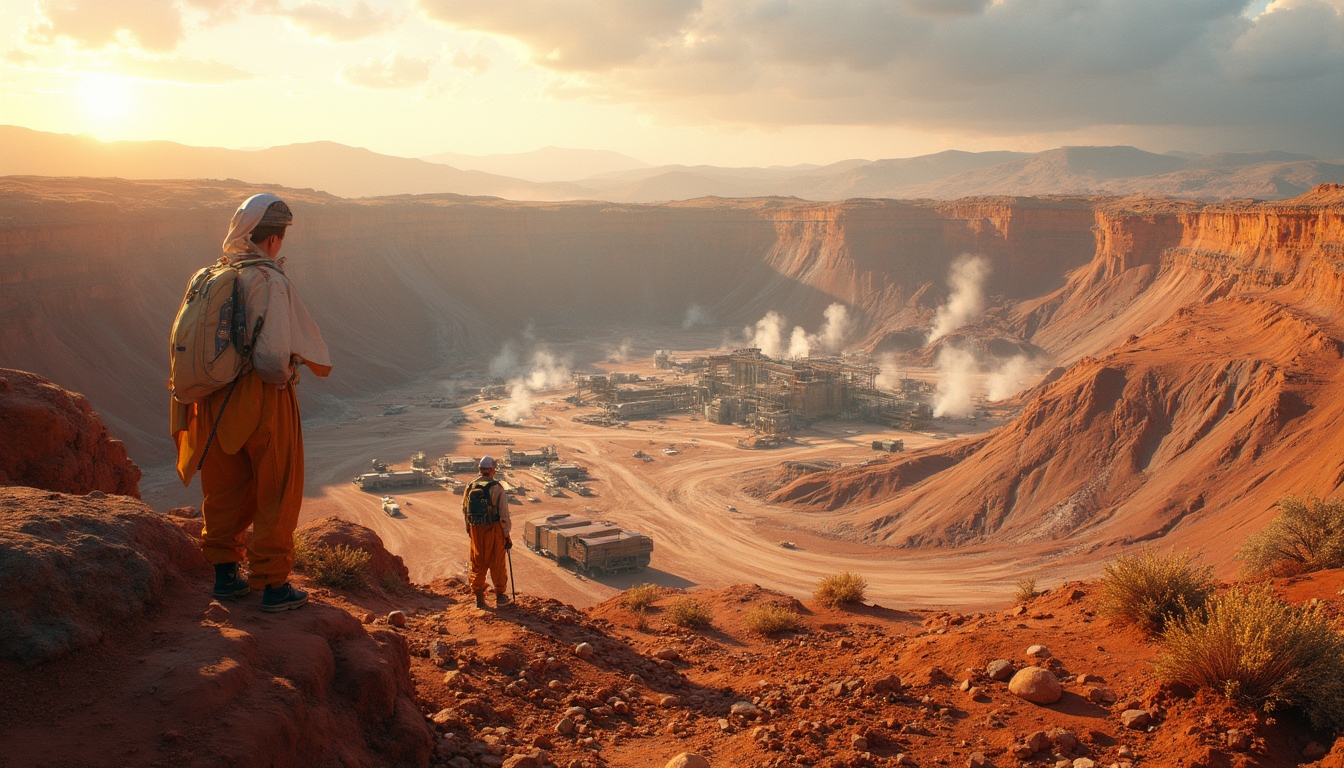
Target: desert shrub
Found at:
x=1026, y=591
x=1149, y=589
x=1254, y=648
x=840, y=588
x=689, y=613
x=767, y=618
x=641, y=596
x=340, y=567
x=1307, y=535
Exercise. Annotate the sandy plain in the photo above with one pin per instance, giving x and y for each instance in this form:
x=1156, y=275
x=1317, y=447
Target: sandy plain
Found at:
x=681, y=500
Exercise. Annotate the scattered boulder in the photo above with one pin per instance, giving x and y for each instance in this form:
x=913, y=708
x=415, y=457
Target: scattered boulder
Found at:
x=1036, y=685
x=999, y=669
x=1101, y=695
x=1038, y=652
x=1084, y=762
x=584, y=651
x=565, y=727
x=979, y=760
x=687, y=760
x=333, y=531
x=1137, y=719
x=669, y=700
x=216, y=612
x=667, y=654
x=396, y=619
x=52, y=439
x=743, y=708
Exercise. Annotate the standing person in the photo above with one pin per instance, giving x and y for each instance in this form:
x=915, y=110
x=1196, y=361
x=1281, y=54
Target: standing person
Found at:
x=252, y=469
x=485, y=509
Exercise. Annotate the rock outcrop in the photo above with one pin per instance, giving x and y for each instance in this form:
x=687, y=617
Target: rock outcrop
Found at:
x=73, y=569
x=334, y=532
x=52, y=439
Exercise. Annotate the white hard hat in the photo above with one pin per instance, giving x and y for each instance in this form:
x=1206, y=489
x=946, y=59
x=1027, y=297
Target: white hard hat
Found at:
x=486, y=463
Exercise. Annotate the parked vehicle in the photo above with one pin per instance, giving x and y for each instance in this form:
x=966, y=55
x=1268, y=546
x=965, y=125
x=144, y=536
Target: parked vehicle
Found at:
x=391, y=507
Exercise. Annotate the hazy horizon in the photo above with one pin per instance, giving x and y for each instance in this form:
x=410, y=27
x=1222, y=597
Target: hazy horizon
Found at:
x=716, y=82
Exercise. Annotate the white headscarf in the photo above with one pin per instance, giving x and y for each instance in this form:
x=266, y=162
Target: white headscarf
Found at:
x=238, y=242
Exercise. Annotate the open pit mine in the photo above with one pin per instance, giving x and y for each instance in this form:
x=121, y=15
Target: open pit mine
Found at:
x=728, y=400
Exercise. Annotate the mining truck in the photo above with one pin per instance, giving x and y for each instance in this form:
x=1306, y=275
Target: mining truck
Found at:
x=589, y=546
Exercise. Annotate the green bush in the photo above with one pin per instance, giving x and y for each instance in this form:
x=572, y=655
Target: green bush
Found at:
x=1026, y=591
x=641, y=596
x=689, y=613
x=1253, y=648
x=339, y=567
x=840, y=588
x=1307, y=535
x=768, y=618
x=1150, y=589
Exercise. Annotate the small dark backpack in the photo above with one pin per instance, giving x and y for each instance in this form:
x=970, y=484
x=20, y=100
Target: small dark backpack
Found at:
x=481, y=508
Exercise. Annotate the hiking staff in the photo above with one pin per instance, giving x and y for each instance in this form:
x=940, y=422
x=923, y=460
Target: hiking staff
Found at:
x=513, y=582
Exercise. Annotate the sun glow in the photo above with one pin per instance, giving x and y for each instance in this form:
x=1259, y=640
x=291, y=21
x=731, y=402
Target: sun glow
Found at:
x=106, y=98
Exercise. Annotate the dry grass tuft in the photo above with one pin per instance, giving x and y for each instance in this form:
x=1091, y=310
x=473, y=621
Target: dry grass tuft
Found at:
x=689, y=613
x=641, y=596
x=768, y=618
x=840, y=588
x=1026, y=591
x=1150, y=589
x=339, y=567
x=1307, y=535
x=1253, y=648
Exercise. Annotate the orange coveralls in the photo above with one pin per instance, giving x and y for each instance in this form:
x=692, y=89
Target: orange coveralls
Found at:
x=487, y=545
x=253, y=474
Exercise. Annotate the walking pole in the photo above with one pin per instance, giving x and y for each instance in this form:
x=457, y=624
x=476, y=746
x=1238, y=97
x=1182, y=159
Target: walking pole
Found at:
x=513, y=583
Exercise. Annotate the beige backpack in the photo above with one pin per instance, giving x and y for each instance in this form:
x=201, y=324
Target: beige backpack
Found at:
x=210, y=346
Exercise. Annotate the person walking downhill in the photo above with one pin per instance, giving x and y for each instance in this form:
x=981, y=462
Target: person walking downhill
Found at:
x=485, y=509
x=246, y=439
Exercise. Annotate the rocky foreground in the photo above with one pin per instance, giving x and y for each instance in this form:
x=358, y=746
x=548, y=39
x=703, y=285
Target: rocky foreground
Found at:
x=134, y=664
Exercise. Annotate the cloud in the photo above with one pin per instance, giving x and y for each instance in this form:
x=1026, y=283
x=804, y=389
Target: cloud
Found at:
x=573, y=35
x=179, y=69
x=151, y=25
x=1006, y=67
x=322, y=21
x=391, y=71
x=475, y=62
x=19, y=57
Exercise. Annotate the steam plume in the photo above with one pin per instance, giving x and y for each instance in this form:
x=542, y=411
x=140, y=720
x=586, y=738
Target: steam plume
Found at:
x=768, y=335
x=1012, y=377
x=695, y=315
x=955, y=368
x=799, y=344
x=967, y=301
x=546, y=372
x=619, y=354
x=506, y=362
x=889, y=375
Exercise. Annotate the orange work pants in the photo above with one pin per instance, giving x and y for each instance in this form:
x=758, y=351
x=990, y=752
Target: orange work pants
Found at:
x=487, y=554
x=261, y=485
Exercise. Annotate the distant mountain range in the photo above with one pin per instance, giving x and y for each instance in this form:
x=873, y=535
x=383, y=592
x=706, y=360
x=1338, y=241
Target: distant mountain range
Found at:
x=600, y=175
x=543, y=165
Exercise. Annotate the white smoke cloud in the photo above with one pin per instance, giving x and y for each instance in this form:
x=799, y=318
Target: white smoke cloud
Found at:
x=620, y=354
x=800, y=344
x=955, y=369
x=835, y=329
x=1016, y=374
x=888, y=375
x=967, y=301
x=546, y=372
x=768, y=334
x=695, y=315
x=506, y=362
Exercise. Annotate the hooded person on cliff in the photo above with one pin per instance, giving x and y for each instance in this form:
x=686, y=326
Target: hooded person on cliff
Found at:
x=252, y=471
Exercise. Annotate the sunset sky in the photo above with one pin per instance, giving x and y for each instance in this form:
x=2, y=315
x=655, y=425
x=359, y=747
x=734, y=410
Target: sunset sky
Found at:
x=727, y=82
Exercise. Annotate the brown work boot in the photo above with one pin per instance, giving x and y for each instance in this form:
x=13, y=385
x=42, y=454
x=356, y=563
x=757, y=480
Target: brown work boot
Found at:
x=502, y=599
x=480, y=600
